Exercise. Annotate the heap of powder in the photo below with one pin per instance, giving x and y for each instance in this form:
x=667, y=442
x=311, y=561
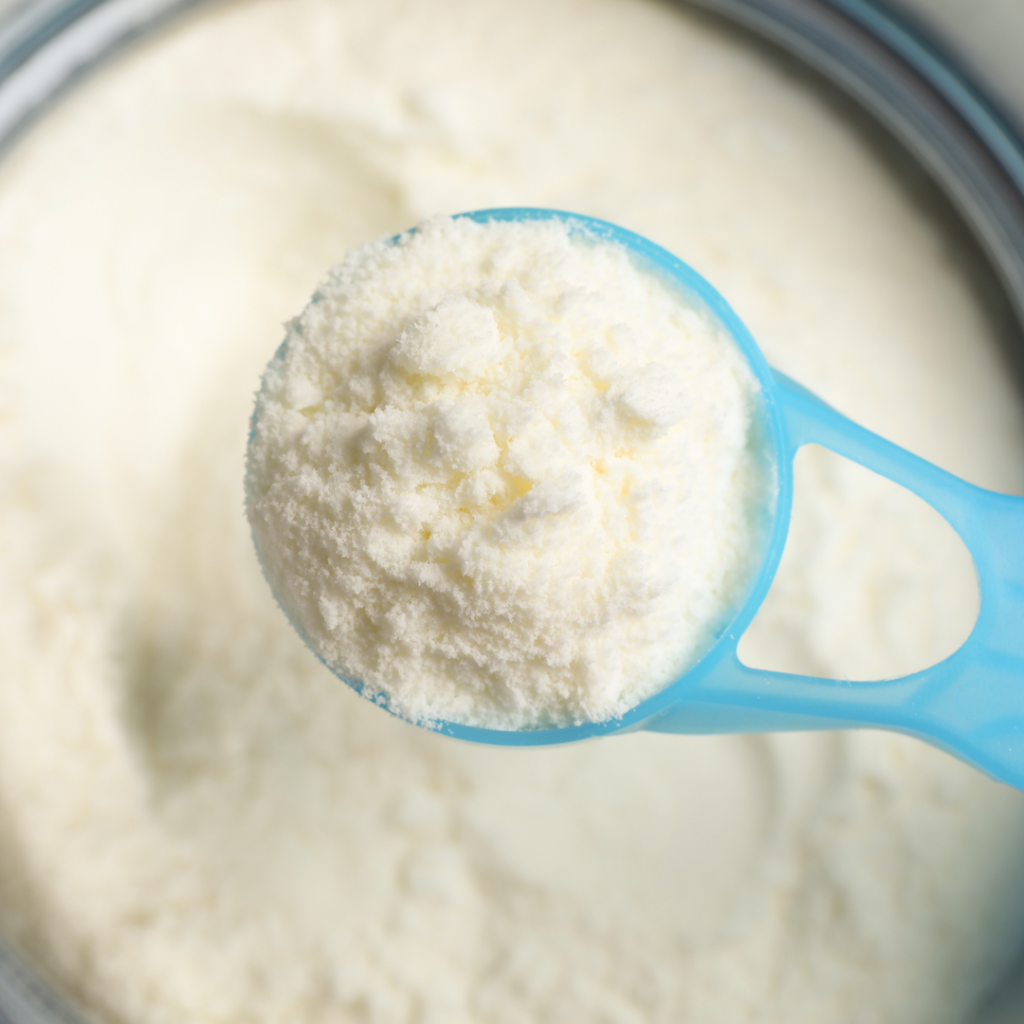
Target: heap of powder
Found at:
x=505, y=475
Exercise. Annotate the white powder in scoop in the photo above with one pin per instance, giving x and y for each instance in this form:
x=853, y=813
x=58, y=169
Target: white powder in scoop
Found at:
x=506, y=476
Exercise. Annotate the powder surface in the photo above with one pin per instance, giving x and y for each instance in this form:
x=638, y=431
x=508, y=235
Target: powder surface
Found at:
x=504, y=475
x=197, y=821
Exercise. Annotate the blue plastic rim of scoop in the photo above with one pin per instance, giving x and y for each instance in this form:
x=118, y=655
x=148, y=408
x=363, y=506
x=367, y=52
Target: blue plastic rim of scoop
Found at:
x=971, y=704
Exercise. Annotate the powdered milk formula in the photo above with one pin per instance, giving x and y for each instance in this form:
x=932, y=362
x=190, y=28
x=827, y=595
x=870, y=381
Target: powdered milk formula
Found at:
x=503, y=474
x=197, y=822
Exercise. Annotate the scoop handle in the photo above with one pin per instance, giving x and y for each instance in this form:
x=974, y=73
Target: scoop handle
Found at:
x=970, y=704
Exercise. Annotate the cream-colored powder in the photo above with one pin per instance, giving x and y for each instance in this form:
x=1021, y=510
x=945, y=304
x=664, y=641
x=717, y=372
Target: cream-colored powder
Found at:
x=197, y=822
x=503, y=475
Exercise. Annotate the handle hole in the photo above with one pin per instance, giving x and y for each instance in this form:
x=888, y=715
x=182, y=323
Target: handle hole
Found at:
x=873, y=583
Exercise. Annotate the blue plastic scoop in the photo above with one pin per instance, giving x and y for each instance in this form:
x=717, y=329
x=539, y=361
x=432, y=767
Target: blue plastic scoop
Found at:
x=971, y=704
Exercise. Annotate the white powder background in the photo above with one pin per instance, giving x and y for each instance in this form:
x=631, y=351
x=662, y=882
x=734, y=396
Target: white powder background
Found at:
x=505, y=476
x=197, y=822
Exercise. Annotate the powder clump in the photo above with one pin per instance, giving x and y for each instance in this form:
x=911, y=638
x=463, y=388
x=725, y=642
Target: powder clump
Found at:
x=503, y=475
